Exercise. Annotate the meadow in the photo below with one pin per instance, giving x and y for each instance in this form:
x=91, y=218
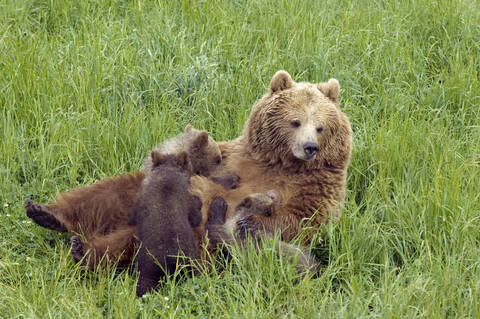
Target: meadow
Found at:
x=88, y=87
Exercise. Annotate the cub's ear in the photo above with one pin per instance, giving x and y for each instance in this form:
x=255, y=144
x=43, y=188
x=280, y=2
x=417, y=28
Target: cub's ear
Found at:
x=330, y=89
x=188, y=128
x=247, y=203
x=201, y=141
x=183, y=160
x=158, y=158
x=281, y=81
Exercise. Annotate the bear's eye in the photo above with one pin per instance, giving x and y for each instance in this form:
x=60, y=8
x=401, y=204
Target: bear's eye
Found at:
x=218, y=160
x=319, y=129
x=295, y=123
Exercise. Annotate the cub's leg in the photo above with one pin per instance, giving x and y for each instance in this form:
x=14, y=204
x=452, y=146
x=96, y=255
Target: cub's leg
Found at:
x=149, y=273
x=195, y=213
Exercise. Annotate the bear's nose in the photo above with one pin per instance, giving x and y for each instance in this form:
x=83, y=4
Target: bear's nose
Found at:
x=310, y=149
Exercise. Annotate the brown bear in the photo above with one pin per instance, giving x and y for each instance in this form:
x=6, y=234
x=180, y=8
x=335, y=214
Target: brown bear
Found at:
x=100, y=213
x=221, y=232
x=296, y=141
x=164, y=215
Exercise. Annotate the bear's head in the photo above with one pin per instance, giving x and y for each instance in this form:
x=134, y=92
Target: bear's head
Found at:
x=299, y=125
x=203, y=150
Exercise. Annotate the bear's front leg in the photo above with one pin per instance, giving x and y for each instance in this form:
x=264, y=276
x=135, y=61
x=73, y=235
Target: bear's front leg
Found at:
x=40, y=214
x=256, y=224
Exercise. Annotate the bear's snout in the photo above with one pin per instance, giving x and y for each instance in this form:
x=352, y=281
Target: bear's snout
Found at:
x=310, y=149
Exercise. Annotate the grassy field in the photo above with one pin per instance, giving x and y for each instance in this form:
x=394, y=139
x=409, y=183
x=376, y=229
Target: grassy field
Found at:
x=88, y=87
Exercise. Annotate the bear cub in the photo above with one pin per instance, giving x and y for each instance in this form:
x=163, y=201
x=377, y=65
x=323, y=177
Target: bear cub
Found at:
x=222, y=234
x=204, y=153
x=164, y=215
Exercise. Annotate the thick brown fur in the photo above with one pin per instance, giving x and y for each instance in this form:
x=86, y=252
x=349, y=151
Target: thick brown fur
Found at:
x=267, y=157
x=98, y=215
x=222, y=235
x=164, y=215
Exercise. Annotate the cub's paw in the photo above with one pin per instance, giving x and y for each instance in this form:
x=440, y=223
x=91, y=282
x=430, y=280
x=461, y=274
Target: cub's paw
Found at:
x=77, y=248
x=218, y=209
x=40, y=214
x=230, y=181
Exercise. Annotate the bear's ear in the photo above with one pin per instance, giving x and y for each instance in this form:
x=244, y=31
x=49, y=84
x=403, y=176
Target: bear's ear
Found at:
x=201, y=141
x=183, y=160
x=158, y=158
x=281, y=81
x=330, y=89
x=188, y=128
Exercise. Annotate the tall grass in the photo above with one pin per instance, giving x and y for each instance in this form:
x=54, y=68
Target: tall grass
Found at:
x=88, y=87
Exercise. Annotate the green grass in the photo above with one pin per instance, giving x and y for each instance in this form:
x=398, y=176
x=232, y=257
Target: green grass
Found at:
x=88, y=87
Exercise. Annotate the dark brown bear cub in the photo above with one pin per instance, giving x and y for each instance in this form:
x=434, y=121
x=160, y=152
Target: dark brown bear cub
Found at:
x=165, y=213
x=221, y=232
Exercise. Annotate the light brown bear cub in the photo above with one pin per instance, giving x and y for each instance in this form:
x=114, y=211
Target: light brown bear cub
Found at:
x=223, y=233
x=164, y=215
x=99, y=214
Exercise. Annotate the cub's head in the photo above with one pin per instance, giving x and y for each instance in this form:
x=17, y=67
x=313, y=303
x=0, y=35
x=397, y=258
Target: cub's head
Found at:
x=258, y=203
x=180, y=161
x=203, y=150
x=297, y=124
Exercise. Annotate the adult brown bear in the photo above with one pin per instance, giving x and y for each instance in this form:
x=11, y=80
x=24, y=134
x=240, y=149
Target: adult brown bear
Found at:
x=296, y=141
